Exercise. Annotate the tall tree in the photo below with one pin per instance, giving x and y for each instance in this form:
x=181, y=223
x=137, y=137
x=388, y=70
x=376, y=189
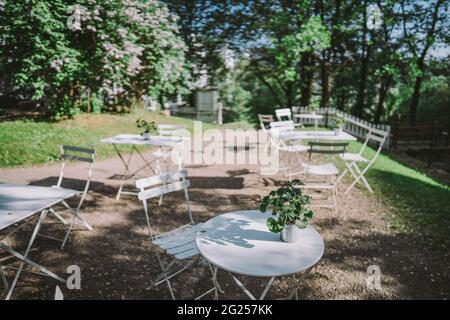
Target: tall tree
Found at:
x=423, y=23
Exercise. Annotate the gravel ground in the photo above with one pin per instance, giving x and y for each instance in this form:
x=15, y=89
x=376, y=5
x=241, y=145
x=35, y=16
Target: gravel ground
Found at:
x=118, y=262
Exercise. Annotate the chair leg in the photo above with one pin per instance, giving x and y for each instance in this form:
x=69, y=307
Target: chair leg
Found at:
x=3, y=277
x=218, y=289
x=335, y=199
x=68, y=233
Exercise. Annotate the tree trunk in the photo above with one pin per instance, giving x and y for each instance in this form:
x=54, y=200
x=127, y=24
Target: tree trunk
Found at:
x=325, y=79
x=289, y=97
x=382, y=94
x=306, y=79
x=88, y=101
x=270, y=87
x=415, y=101
x=365, y=57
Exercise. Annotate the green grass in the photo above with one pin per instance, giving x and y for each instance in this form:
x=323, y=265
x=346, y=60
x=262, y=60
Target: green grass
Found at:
x=417, y=203
x=25, y=142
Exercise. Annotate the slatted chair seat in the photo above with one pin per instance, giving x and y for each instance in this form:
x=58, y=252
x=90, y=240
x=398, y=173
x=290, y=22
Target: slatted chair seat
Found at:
x=326, y=169
x=353, y=157
x=178, y=238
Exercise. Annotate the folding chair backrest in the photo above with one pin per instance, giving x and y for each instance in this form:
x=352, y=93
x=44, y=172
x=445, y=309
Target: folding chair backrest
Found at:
x=264, y=121
x=169, y=130
x=283, y=114
x=163, y=184
x=378, y=137
x=71, y=153
x=326, y=147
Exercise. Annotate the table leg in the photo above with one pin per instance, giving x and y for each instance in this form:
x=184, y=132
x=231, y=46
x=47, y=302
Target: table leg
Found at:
x=248, y=293
x=127, y=166
x=24, y=258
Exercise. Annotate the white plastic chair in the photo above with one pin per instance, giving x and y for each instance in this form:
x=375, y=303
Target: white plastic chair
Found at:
x=327, y=170
x=179, y=244
x=71, y=153
x=351, y=160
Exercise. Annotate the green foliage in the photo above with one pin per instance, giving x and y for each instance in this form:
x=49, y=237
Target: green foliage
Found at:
x=26, y=142
x=62, y=52
x=288, y=203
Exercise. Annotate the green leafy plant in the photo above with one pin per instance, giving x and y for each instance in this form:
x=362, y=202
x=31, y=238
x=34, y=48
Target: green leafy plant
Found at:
x=337, y=122
x=147, y=127
x=288, y=203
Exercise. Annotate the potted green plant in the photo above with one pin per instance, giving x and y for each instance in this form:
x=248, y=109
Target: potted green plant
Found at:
x=288, y=205
x=148, y=128
x=337, y=123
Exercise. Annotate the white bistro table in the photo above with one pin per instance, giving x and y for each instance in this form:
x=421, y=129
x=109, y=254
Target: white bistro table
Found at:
x=316, y=136
x=17, y=204
x=134, y=140
x=312, y=116
x=240, y=243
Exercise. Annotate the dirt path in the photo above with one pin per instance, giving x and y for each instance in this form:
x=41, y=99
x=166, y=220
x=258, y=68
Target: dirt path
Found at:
x=117, y=261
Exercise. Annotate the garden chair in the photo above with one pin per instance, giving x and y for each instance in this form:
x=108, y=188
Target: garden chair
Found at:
x=327, y=170
x=351, y=160
x=264, y=121
x=167, y=130
x=70, y=153
x=286, y=115
x=283, y=114
x=179, y=244
x=286, y=146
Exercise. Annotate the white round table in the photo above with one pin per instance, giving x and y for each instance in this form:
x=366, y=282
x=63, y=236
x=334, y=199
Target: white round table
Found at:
x=315, y=117
x=240, y=243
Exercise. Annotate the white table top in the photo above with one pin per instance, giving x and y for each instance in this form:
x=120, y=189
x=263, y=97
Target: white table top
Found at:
x=239, y=242
x=308, y=116
x=137, y=139
x=18, y=202
x=316, y=135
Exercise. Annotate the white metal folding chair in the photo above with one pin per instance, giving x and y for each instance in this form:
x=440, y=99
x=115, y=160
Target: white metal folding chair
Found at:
x=285, y=114
x=71, y=153
x=286, y=146
x=264, y=121
x=351, y=160
x=327, y=170
x=178, y=244
x=167, y=130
